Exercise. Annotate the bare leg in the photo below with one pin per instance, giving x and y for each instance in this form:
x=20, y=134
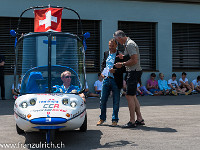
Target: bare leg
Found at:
x=192, y=85
x=188, y=87
x=198, y=88
x=137, y=109
x=131, y=106
x=93, y=95
x=182, y=91
x=160, y=93
x=134, y=106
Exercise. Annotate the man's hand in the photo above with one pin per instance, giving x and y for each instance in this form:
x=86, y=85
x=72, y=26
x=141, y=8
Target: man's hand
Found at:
x=112, y=70
x=121, y=56
x=118, y=65
x=2, y=63
x=102, y=75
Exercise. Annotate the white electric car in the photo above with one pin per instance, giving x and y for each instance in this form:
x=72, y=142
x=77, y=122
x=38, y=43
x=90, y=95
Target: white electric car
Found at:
x=41, y=58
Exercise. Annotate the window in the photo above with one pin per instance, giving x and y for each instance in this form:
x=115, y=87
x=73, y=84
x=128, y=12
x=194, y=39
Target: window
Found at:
x=186, y=47
x=27, y=25
x=144, y=34
x=93, y=43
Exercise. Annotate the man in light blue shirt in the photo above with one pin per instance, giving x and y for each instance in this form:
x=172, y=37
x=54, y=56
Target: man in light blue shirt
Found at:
x=162, y=84
x=113, y=81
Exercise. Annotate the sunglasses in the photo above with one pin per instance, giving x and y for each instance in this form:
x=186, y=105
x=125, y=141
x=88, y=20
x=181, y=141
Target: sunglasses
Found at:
x=67, y=77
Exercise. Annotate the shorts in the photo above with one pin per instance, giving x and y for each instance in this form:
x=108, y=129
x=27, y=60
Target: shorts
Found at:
x=131, y=82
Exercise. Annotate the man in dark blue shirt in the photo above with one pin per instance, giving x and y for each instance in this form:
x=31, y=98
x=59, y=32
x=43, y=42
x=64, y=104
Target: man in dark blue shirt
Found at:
x=2, y=62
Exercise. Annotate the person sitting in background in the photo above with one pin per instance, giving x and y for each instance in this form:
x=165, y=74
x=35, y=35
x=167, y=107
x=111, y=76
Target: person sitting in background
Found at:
x=152, y=85
x=141, y=90
x=195, y=84
x=98, y=84
x=173, y=84
x=18, y=87
x=87, y=93
x=183, y=83
x=162, y=84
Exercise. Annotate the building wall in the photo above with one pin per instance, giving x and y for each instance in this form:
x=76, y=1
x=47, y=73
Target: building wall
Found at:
x=112, y=11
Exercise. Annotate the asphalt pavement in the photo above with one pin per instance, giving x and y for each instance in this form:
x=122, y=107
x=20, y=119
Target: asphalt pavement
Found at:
x=172, y=123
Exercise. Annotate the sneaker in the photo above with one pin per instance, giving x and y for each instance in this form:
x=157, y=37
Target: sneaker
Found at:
x=155, y=94
x=174, y=93
x=150, y=93
x=188, y=93
x=114, y=123
x=164, y=93
x=129, y=125
x=100, y=122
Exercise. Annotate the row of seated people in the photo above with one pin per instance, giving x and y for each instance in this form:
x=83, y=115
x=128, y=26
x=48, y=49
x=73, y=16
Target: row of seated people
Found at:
x=154, y=87
x=170, y=87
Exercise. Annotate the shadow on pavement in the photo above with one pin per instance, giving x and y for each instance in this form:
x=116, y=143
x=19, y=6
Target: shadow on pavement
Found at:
x=74, y=140
x=68, y=139
x=120, y=143
x=145, y=128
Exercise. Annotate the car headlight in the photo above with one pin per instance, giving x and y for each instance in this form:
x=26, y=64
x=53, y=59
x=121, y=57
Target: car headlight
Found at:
x=24, y=105
x=65, y=101
x=73, y=104
x=32, y=102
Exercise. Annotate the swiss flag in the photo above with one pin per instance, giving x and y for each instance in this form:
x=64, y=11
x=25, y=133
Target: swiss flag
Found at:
x=48, y=19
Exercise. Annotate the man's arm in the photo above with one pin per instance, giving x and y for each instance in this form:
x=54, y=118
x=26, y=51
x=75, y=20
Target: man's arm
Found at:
x=132, y=61
x=170, y=85
x=116, y=70
x=95, y=89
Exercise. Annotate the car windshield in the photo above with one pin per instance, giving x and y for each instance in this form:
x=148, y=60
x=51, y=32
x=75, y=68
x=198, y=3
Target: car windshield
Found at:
x=50, y=63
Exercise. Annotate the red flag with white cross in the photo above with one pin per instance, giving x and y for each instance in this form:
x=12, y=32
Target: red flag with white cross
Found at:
x=48, y=19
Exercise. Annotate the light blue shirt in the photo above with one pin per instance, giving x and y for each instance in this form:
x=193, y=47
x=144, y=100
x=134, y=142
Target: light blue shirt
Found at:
x=62, y=89
x=162, y=84
x=110, y=62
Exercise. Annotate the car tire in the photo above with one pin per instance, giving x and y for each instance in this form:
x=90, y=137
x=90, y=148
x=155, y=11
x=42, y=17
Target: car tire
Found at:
x=19, y=131
x=83, y=127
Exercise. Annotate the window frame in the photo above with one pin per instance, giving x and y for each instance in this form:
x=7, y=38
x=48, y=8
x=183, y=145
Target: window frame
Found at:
x=141, y=32
x=185, y=47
